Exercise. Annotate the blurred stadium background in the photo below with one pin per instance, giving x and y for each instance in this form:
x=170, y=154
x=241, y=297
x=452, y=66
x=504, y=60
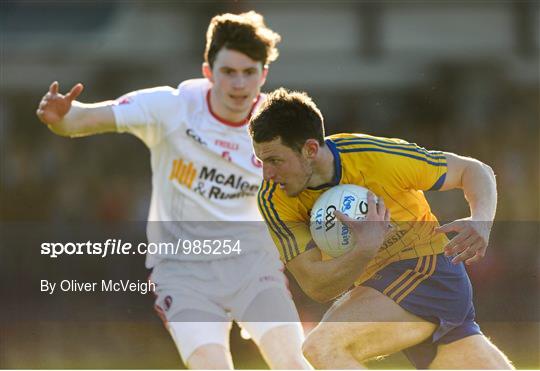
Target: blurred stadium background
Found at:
x=460, y=76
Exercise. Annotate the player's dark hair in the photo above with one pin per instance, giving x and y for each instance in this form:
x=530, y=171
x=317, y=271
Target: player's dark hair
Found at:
x=289, y=115
x=246, y=33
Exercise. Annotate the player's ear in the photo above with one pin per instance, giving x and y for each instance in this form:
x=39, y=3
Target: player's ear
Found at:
x=311, y=148
x=207, y=71
x=264, y=74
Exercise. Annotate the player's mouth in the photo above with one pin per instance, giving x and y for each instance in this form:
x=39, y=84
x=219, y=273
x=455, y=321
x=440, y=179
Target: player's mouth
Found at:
x=238, y=99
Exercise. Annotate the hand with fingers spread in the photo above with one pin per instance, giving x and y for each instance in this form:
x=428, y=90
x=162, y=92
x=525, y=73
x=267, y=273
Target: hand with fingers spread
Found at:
x=471, y=241
x=369, y=232
x=54, y=106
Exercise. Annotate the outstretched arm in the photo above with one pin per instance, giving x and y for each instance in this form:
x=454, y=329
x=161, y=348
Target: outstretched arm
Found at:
x=480, y=189
x=67, y=117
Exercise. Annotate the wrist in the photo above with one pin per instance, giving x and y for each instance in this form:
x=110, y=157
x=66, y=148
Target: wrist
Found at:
x=482, y=218
x=365, y=252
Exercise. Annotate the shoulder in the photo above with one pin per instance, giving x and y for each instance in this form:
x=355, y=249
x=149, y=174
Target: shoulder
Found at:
x=146, y=103
x=380, y=148
x=357, y=140
x=367, y=154
x=260, y=100
x=193, y=92
x=195, y=88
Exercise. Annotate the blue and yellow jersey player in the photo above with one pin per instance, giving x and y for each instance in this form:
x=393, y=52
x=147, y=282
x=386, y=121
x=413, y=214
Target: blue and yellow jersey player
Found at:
x=411, y=291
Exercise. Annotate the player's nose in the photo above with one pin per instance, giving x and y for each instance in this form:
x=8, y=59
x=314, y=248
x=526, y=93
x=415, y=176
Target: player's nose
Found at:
x=239, y=82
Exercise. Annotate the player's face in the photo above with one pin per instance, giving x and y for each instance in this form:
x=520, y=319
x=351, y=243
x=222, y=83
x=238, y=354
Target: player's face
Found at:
x=237, y=81
x=285, y=166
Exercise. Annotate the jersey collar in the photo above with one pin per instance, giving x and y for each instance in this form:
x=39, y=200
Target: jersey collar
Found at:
x=337, y=167
x=228, y=122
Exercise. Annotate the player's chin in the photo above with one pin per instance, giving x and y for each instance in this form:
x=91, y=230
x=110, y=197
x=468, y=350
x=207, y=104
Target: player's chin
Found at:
x=239, y=108
x=240, y=102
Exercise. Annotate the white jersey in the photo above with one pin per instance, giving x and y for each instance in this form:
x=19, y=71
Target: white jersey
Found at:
x=203, y=169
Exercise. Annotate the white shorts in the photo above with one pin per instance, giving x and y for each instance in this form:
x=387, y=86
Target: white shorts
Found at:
x=199, y=299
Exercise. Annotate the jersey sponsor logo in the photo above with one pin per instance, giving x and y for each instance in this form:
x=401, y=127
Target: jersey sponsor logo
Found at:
x=227, y=145
x=183, y=173
x=393, y=239
x=227, y=155
x=217, y=193
x=256, y=162
x=191, y=133
x=186, y=174
x=232, y=180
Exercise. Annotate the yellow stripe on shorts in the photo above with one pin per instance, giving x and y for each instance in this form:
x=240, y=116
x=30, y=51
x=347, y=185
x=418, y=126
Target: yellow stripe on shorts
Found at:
x=411, y=278
x=404, y=275
x=419, y=281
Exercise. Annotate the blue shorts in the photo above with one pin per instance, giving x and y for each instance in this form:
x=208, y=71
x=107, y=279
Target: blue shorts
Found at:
x=436, y=290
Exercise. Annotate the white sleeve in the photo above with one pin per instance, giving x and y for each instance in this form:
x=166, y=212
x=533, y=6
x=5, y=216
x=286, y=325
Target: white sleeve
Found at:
x=145, y=113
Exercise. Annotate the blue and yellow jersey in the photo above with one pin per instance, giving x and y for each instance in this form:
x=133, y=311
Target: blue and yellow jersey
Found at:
x=393, y=169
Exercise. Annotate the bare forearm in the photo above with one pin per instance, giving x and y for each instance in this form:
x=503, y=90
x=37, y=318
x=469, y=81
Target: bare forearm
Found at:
x=342, y=273
x=325, y=280
x=86, y=119
x=480, y=190
x=477, y=181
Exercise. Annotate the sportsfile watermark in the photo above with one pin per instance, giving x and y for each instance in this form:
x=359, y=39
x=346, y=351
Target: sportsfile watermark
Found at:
x=71, y=285
x=78, y=266
x=114, y=246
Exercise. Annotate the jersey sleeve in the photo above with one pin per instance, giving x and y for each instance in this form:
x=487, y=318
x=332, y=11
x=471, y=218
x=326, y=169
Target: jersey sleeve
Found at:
x=144, y=113
x=410, y=166
x=290, y=233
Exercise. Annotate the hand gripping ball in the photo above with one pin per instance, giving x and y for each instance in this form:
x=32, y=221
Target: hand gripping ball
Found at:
x=330, y=235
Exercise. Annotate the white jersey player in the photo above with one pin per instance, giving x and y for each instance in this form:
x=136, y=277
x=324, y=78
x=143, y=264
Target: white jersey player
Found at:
x=204, y=185
x=203, y=170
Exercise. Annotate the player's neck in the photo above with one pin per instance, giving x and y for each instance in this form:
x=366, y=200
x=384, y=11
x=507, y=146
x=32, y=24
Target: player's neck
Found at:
x=323, y=168
x=225, y=115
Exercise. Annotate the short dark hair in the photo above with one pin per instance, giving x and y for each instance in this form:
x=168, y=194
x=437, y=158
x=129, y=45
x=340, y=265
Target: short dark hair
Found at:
x=289, y=115
x=246, y=33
